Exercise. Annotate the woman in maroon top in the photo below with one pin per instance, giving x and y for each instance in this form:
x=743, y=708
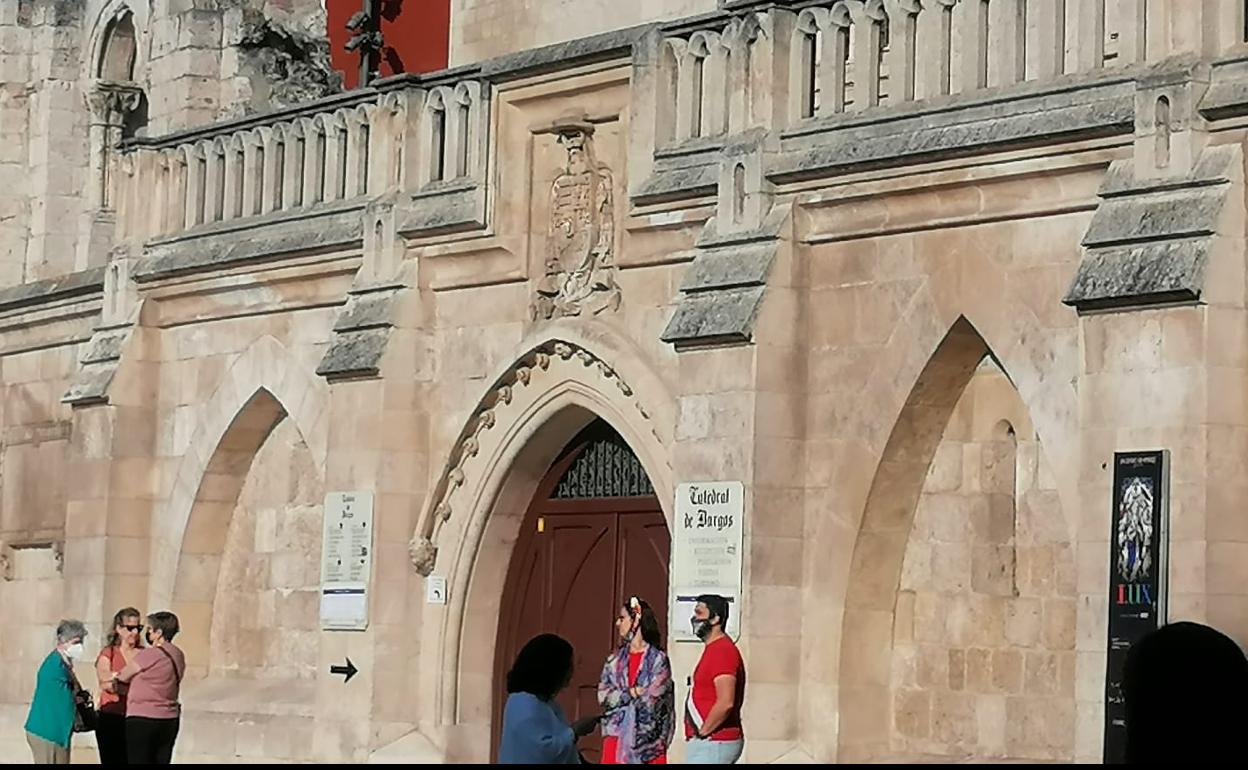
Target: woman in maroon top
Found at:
x=121, y=648
x=153, y=713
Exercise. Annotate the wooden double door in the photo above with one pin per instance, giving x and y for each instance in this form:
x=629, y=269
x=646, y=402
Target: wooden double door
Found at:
x=593, y=536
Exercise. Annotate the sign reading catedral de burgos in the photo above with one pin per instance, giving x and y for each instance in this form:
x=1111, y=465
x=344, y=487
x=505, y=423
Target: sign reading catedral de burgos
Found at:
x=706, y=552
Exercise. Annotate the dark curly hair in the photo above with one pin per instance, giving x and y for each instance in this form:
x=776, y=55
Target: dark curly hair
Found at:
x=542, y=667
x=648, y=625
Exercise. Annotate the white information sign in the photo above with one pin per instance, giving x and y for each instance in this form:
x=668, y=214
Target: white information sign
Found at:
x=706, y=552
x=346, y=560
x=435, y=590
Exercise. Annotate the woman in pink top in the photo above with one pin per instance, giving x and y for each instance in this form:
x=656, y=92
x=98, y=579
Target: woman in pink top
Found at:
x=152, y=709
x=121, y=649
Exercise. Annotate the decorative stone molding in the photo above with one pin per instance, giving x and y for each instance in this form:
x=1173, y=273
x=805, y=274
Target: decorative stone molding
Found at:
x=524, y=373
x=723, y=288
x=111, y=106
x=111, y=102
x=1150, y=240
x=6, y=561
x=325, y=229
x=79, y=286
x=56, y=547
x=580, y=263
x=102, y=358
x=360, y=334
x=363, y=326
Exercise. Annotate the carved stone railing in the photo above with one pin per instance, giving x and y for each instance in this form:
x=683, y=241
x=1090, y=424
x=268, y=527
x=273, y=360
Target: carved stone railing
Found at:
x=806, y=73
x=853, y=55
x=348, y=148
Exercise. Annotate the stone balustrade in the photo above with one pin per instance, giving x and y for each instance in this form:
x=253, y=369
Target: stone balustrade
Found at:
x=323, y=155
x=854, y=55
x=799, y=69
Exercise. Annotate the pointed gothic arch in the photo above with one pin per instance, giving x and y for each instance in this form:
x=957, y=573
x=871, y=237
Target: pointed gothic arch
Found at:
x=264, y=385
x=118, y=49
x=470, y=523
x=874, y=703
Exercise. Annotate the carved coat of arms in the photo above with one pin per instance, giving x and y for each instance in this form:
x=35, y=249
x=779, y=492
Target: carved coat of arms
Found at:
x=1135, y=530
x=579, y=271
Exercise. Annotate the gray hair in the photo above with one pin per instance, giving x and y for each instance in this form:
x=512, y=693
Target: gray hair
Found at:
x=68, y=630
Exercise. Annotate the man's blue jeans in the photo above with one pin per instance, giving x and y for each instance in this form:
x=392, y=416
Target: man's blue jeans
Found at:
x=713, y=752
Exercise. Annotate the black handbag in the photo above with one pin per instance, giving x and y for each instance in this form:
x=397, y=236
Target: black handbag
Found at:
x=85, y=715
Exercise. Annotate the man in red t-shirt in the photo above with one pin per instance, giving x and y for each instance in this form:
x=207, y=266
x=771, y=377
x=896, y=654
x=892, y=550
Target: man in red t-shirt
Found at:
x=717, y=690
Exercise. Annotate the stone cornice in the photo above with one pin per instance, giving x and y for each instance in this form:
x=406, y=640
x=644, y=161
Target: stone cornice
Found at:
x=80, y=284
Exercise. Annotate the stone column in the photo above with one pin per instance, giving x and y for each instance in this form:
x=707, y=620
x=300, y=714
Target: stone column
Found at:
x=14, y=150
x=109, y=104
x=56, y=139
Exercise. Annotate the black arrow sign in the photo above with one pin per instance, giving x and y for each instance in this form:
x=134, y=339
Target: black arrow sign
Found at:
x=348, y=669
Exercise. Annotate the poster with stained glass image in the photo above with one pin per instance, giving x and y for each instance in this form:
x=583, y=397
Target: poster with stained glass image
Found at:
x=1137, y=570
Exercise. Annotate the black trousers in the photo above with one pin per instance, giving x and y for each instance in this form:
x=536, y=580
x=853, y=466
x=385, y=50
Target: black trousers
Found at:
x=150, y=741
x=110, y=737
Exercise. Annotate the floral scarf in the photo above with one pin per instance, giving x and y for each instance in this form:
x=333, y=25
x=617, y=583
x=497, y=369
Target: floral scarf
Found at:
x=643, y=725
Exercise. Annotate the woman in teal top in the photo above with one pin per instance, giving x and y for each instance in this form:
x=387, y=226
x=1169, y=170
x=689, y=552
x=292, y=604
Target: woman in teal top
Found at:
x=535, y=731
x=51, y=721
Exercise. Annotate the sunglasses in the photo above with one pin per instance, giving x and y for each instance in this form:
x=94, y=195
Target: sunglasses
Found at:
x=133, y=628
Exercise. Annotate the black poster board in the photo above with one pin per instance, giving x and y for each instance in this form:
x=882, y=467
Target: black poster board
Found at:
x=1137, y=569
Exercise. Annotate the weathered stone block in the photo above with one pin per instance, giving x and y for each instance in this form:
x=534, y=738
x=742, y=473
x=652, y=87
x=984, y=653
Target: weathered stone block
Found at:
x=354, y=353
x=714, y=317
x=743, y=265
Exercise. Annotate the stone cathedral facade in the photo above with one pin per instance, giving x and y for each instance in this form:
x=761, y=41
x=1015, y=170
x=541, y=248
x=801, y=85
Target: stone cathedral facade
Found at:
x=913, y=272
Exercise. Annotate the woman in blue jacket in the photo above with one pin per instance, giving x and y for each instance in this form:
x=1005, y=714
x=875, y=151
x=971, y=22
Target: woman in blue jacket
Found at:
x=535, y=730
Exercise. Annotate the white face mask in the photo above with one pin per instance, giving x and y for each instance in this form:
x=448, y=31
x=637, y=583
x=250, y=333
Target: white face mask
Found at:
x=74, y=651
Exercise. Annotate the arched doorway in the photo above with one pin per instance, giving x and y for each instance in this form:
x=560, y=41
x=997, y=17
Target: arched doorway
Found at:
x=594, y=533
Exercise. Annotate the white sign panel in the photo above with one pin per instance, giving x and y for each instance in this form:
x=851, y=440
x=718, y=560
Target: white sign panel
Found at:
x=346, y=560
x=706, y=552
x=435, y=590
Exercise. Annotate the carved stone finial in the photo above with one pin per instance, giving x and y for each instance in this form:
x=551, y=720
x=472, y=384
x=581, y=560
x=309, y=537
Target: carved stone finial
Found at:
x=580, y=264
x=455, y=479
x=423, y=554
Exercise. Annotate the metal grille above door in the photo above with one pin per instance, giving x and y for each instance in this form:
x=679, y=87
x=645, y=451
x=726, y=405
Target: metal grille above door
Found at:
x=606, y=467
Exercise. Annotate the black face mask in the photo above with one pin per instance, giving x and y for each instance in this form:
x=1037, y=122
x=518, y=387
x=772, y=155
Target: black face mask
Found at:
x=701, y=627
x=148, y=636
